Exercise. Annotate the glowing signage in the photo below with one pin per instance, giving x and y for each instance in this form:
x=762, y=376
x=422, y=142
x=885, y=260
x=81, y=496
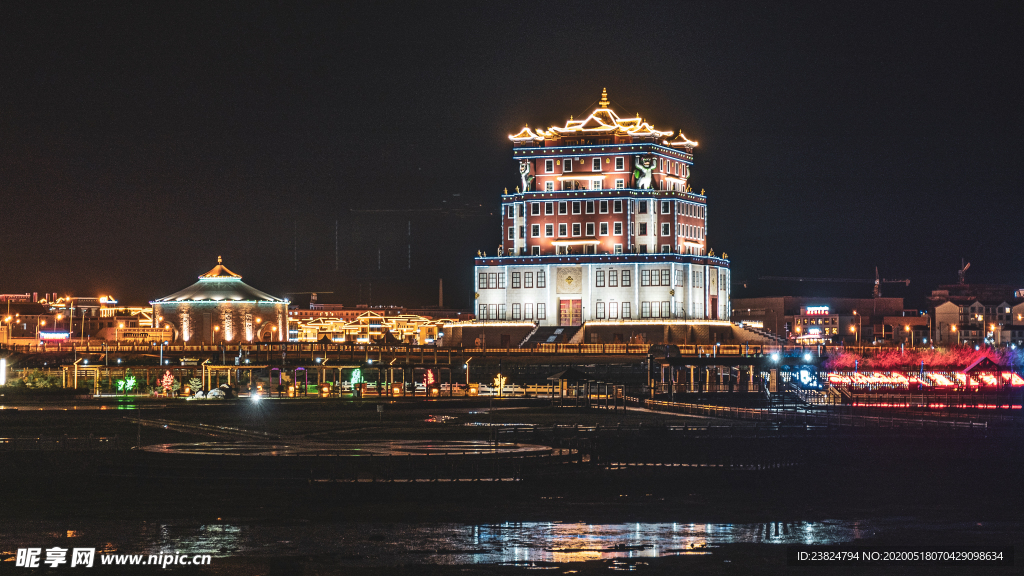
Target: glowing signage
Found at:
x=817, y=311
x=54, y=335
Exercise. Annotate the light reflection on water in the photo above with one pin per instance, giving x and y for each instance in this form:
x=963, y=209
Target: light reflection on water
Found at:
x=385, y=544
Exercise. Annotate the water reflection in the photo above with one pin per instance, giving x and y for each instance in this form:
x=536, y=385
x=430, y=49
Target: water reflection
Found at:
x=386, y=544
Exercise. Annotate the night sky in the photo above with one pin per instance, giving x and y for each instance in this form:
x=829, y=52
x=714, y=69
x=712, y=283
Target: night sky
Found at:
x=137, y=144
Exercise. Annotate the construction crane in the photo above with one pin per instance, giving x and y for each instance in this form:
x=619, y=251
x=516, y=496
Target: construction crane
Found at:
x=962, y=271
x=875, y=293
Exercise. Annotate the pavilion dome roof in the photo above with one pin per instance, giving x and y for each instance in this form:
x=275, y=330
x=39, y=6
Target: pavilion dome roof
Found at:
x=220, y=285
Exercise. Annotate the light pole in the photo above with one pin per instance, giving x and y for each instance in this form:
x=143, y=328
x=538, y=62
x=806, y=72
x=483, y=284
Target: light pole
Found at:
x=953, y=328
x=906, y=328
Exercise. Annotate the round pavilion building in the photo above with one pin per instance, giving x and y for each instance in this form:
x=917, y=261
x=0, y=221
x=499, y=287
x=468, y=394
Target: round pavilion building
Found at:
x=222, y=308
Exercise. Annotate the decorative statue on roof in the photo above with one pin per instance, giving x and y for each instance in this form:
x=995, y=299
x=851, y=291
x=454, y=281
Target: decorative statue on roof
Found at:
x=524, y=170
x=644, y=167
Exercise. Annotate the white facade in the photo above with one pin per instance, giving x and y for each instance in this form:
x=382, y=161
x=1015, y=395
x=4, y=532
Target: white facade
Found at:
x=569, y=290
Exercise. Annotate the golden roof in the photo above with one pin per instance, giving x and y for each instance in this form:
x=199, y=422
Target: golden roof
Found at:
x=220, y=271
x=604, y=121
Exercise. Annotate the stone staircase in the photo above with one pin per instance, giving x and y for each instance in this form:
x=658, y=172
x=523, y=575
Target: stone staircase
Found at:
x=551, y=335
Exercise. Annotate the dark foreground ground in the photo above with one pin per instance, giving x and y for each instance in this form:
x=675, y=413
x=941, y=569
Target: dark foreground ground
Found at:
x=912, y=488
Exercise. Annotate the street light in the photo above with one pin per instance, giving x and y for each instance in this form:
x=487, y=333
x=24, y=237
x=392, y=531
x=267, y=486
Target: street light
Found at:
x=906, y=328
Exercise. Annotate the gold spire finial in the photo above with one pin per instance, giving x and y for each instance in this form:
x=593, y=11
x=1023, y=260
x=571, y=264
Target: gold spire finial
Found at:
x=604, y=98
x=219, y=260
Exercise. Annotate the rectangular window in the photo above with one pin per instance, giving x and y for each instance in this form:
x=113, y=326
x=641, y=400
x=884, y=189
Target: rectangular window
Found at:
x=698, y=279
x=620, y=163
x=527, y=311
x=613, y=310
x=541, y=311
x=600, y=310
x=666, y=277
x=642, y=249
x=549, y=230
x=590, y=207
x=522, y=210
x=510, y=211
x=603, y=206
x=666, y=207
x=597, y=184
x=481, y=283
x=617, y=229
x=599, y=279
x=563, y=207
x=641, y=207
x=625, y=278
x=522, y=232
x=535, y=250
x=576, y=229
x=604, y=228
x=549, y=166
x=528, y=280
x=511, y=232
x=666, y=248
x=617, y=206
x=620, y=183
x=645, y=277
x=643, y=229
x=492, y=280
x=501, y=280
x=515, y=280
x=501, y=311
x=590, y=228
x=563, y=230
x=516, y=312
x=482, y=315
x=666, y=229
x=613, y=278
x=576, y=207
x=535, y=230
x=596, y=165
x=567, y=185
x=666, y=310
x=534, y=208
x=549, y=208
x=618, y=248
x=567, y=165
x=549, y=186
x=645, y=309
x=540, y=279
x=679, y=278
x=492, y=311
x=655, y=309
x=625, y=310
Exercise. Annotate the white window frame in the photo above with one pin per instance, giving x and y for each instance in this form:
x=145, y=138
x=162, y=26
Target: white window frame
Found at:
x=567, y=165
x=590, y=228
x=549, y=186
x=577, y=230
x=511, y=232
x=596, y=164
x=666, y=229
x=618, y=248
x=620, y=164
x=603, y=229
x=602, y=206
x=563, y=230
x=549, y=166
x=535, y=230
x=549, y=230
x=620, y=183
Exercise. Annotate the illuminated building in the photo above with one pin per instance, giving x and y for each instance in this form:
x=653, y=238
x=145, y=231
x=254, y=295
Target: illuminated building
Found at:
x=603, y=226
x=369, y=327
x=222, y=308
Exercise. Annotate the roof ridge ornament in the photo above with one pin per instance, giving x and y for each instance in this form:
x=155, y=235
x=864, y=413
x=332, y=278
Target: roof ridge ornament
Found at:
x=604, y=98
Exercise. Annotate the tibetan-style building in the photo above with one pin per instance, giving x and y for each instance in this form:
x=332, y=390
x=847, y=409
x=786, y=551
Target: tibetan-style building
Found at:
x=222, y=308
x=602, y=227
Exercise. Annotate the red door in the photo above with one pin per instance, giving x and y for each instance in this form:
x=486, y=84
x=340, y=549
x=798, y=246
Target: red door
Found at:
x=570, y=313
x=714, y=308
